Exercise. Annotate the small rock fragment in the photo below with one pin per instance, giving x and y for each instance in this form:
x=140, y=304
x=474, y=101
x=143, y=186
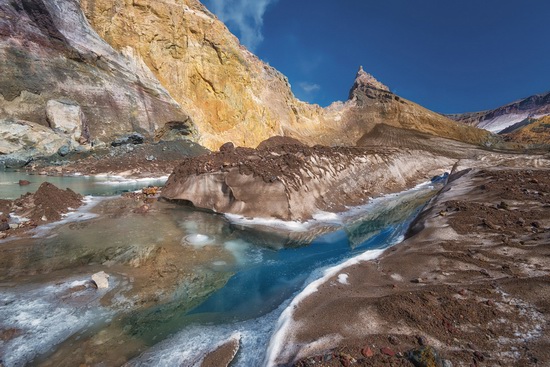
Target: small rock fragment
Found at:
x=479, y=356
x=421, y=340
x=24, y=182
x=393, y=340
x=367, y=352
x=101, y=279
x=424, y=357
x=387, y=351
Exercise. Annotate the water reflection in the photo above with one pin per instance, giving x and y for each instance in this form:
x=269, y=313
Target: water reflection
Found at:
x=85, y=185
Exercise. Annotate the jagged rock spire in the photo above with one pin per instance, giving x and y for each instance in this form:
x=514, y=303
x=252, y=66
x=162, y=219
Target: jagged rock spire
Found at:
x=365, y=80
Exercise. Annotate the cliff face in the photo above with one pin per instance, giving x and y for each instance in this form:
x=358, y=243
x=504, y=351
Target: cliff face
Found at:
x=157, y=65
x=57, y=72
x=508, y=115
x=231, y=95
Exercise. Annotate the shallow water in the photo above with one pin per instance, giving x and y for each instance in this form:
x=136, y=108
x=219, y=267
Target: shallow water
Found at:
x=181, y=281
x=85, y=185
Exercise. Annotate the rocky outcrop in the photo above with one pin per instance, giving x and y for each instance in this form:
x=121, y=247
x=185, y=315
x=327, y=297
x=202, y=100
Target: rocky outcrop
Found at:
x=503, y=117
x=371, y=103
x=21, y=141
x=232, y=95
x=533, y=133
x=363, y=81
x=293, y=182
x=58, y=73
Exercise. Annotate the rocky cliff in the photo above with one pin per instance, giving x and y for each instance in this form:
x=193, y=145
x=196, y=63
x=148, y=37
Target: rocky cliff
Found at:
x=232, y=95
x=82, y=71
x=61, y=79
x=503, y=117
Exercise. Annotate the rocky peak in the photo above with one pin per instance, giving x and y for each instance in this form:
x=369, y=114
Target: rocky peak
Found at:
x=364, y=80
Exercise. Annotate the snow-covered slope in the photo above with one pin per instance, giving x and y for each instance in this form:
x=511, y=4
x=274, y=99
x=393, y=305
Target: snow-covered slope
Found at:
x=499, y=119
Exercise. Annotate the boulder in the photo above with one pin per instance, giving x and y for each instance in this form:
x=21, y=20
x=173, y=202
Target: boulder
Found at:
x=101, y=279
x=65, y=116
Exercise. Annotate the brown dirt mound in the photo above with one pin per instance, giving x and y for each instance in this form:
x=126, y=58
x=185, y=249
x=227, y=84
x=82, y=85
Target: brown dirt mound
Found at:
x=276, y=141
x=268, y=163
x=46, y=205
x=51, y=202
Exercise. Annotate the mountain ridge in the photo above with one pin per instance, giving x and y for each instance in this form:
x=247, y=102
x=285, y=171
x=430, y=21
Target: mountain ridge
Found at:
x=498, y=119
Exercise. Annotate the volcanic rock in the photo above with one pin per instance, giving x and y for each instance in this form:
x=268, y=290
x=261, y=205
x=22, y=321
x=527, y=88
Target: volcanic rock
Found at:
x=65, y=116
x=133, y=138
x=363, y=81
x=424, y=357
x=57, y=72
x=233, y=96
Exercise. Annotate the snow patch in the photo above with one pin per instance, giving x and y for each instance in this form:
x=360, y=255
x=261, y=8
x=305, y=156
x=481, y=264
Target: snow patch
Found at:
x=343, y=278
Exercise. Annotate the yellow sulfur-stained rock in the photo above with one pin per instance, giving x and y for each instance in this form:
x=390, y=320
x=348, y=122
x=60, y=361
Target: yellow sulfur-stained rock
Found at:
x=231, y=95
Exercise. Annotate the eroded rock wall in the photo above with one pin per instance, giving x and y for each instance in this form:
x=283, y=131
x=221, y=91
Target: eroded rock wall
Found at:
x=50, y=56
x=230, y=93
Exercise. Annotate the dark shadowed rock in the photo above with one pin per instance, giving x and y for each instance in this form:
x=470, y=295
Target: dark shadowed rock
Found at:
x=276, y=141
x=133, y=138
x=228, y=147
x=424, y=357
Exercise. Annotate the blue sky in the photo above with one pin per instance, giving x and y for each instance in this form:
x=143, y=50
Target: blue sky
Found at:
x=447, y=55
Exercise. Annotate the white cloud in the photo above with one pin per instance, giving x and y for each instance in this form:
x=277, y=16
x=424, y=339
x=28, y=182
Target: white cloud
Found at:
x=309, y=87
x=246, y=16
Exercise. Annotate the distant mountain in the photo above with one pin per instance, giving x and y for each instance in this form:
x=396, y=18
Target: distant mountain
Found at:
x=503, y=117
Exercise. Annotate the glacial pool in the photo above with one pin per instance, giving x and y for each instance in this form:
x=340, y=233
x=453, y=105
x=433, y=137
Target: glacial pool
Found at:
x=181, y=281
